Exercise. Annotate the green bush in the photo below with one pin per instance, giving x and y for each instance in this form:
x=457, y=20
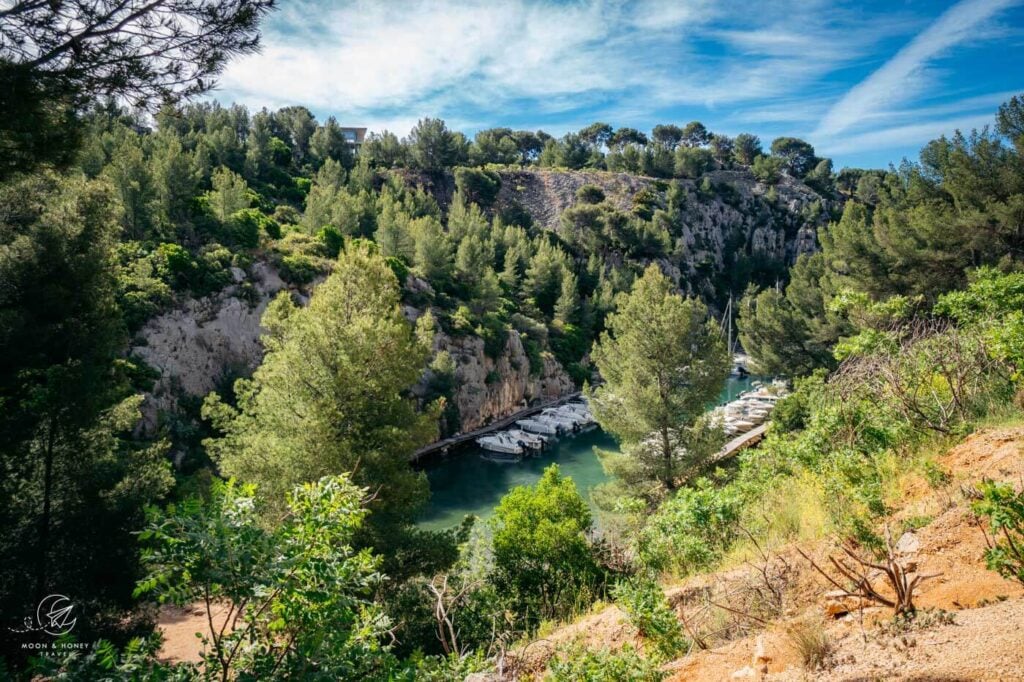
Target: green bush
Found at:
x=569, y=343
x=479, y=186
x=493, y=329
x=691, y=530
x=590, y=194
x=398, y=267
x=298, y=269
x=649, y=612
x=245, y=226
x=692, y=162
x=767, y=169
x=542, y=559
x=286, y=215
x=143, y=288
x=1004, y=509
x=582, y=665
x=212, y=273
x=332, y=240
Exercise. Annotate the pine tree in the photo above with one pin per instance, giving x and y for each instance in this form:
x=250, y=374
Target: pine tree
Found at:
x=543, y=280
x=433, y=251
x=393, y=235
x=330, y=397
x=474, y=256
x=230, y=194
x=131, y=177
x=175, y=180
x=73, y=483
x=567, y=306
x=663, y=362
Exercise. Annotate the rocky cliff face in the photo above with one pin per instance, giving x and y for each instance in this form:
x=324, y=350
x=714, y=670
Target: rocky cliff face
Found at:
x=738, y=215
x=203, y=340
x=488, y=389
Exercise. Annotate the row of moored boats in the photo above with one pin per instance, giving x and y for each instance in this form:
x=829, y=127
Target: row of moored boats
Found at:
x=751, y=409
x=533, y=434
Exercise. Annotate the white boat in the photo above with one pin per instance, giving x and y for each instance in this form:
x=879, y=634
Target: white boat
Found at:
x=500, y=442
x=742, y=425
x=567, y=419
x=527, y=439
x=579, y=409
x=538, y=426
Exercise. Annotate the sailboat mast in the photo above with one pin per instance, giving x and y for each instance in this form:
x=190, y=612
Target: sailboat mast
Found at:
x=728, y=314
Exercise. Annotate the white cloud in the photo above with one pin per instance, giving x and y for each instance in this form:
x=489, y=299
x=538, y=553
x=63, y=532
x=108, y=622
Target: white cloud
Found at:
x=374, y=61
x=904, y=135
x=904, y=76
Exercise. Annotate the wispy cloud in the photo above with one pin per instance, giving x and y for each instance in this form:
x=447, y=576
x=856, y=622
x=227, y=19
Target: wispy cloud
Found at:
x=903, y=77
x=904, y=135
x=790, y=69
x=371, y=60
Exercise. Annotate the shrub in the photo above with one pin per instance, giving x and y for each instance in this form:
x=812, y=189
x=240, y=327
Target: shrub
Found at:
x=244, y=227
x=142, y=286
x=691, y=530
x=692, y=162
x=286, y=215
x=212, y=270
x=767, y=169
x=298, y=269
x=1004, y=509
x=272, y=580
x=582, y=665
x=590, y=194
x=332, y=240
x=478, y=186
x=810, y=641
x=648, y=611
x=175, y=263
x=542, y=558
x=400, y=269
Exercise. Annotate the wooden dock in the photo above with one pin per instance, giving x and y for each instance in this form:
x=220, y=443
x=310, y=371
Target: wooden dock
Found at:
x=741, y=442
x=458, y=439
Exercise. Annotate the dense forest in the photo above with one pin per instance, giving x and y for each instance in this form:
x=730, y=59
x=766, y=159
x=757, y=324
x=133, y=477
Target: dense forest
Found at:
x=284, y=501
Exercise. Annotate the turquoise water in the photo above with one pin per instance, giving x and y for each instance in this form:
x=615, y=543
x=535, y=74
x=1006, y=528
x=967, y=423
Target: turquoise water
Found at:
x=465, y=483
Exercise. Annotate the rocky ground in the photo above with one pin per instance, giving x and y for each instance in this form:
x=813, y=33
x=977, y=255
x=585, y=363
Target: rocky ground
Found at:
x=970, y=624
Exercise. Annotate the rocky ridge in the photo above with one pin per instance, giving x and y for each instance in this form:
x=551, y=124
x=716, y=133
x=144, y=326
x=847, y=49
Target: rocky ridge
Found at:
x=203, y=342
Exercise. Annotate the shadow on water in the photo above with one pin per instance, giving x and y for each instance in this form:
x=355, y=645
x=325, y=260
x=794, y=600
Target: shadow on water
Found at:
x=465, y=483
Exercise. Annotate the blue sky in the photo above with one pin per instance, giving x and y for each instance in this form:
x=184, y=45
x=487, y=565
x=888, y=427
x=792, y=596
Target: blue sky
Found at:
x=867, y=83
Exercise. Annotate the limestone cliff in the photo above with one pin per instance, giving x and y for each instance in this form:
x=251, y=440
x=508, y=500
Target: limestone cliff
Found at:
x=488, y=389
x=738, y=215
x=203, y=341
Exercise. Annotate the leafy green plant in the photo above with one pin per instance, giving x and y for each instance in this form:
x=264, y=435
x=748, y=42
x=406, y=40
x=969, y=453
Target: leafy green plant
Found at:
x=297, y=597
x=578, y=664
x=1004, y=509
x=647, y=609
x=542, y=558
x=692, y=529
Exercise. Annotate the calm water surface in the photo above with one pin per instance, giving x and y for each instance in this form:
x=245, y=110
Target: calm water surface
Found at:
x=465, y=483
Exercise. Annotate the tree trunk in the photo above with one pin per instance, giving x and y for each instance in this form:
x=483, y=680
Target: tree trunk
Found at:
x=666, y=453
x=44, y=519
